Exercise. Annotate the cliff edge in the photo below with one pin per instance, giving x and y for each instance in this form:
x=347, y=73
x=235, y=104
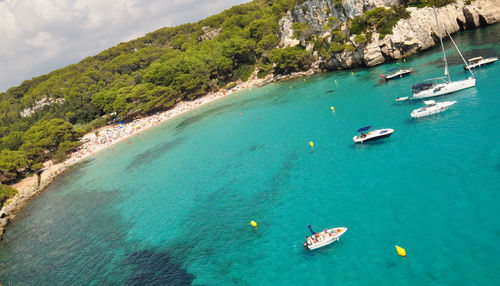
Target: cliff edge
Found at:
x=409, y=36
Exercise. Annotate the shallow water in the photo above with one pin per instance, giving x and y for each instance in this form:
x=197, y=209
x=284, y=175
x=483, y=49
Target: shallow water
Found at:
x=174, y=205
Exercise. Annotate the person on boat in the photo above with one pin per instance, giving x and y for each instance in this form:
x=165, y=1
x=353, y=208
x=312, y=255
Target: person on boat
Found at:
x=308, y=240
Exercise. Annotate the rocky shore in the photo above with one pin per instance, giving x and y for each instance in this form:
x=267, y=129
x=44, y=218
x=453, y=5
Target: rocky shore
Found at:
x=409, y=36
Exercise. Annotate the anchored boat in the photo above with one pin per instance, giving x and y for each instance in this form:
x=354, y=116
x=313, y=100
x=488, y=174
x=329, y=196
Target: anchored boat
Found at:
x=372, y=135
x=396, y=73
x=432, y=87
x=317, y=240
x=431, y=107
x=479, y=61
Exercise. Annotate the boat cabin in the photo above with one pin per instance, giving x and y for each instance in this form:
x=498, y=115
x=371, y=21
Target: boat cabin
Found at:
x=475, y=60
x=429, y=102
x=364, y=131
x=422, y=86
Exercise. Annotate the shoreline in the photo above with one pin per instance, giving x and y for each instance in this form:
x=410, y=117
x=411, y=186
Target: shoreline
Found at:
x=111, y=134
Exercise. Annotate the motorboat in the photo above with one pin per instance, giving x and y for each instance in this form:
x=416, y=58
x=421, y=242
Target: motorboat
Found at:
x=431, y=87
x=479, y=61
x=431, y=107
x=376, y=134
x=396, y=73
x=324, y=238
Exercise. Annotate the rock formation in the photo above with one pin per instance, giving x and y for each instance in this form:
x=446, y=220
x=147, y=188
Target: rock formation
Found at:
x=418, y=32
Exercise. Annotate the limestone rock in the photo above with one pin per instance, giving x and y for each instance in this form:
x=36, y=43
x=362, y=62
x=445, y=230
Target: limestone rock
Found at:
x=372, y=55
x=209, y=33
x=286, y=31
x=482, y=12
x=353, y=8
x=4, y=222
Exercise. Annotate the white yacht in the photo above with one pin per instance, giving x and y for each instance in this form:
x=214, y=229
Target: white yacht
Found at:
x=323, y=238
x=396, y=73
x=435, y=88
x=432, y=88
x=431, y=107
x=479, y=61
x=372, y=135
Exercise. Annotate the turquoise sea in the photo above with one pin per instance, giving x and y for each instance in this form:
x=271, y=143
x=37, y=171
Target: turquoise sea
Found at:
x=173, y=205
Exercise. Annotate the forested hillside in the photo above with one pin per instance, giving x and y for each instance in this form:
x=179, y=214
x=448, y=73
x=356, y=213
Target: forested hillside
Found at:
x=44, y=117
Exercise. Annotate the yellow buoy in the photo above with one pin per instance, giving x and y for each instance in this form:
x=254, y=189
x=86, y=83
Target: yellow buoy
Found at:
x=352, y=73
x=404, y=60
x=253, y=223
x=401, y=251
x=335, y=81
x=332, y=108
x=290, y=86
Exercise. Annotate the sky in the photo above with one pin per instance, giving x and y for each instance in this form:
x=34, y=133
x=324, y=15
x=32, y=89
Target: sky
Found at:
x=39, y=36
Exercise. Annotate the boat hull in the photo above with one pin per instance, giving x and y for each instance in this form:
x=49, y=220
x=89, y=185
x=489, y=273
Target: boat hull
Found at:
x=481, y=63
x=398, y=76
x=426, y=111
x=373, y=135
x=377, y=138
x=445, y=88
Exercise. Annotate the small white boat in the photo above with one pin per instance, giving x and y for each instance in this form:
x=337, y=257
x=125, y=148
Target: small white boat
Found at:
x=479, y=61
x=323, y=238
x=372, y=135
x=396, y=73
x=401, y=98
x=431, y=107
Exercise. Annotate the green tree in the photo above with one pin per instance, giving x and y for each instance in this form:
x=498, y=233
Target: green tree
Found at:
x=267, y=43
x=6, y=193
x=290, y=59
x=11, y=162
x=12, y=141
x=302, y=31
x=49, y=134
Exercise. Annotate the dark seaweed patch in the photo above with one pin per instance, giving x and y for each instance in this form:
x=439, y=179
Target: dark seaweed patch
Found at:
x=196, y=118
x=55, y=245
x=153, y=153
x=255, y=147
x=156, y=268
x=390, y=264
x=457, y=60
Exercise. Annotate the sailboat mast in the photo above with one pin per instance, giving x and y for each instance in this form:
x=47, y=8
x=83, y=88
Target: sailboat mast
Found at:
x=458, y=50
x=442, y=46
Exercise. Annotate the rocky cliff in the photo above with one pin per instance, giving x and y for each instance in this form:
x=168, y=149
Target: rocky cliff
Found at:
x=416, y=33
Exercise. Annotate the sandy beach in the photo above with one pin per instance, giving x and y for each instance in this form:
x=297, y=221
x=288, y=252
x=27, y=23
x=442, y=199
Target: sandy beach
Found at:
x=106, y=136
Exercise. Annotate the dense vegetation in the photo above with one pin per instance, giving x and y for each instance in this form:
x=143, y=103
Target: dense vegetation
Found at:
x=43, y=117
x=6, y=193
x=381, y=18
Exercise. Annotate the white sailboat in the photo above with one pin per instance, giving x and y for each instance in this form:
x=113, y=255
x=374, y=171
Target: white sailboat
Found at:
x=432, y=87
